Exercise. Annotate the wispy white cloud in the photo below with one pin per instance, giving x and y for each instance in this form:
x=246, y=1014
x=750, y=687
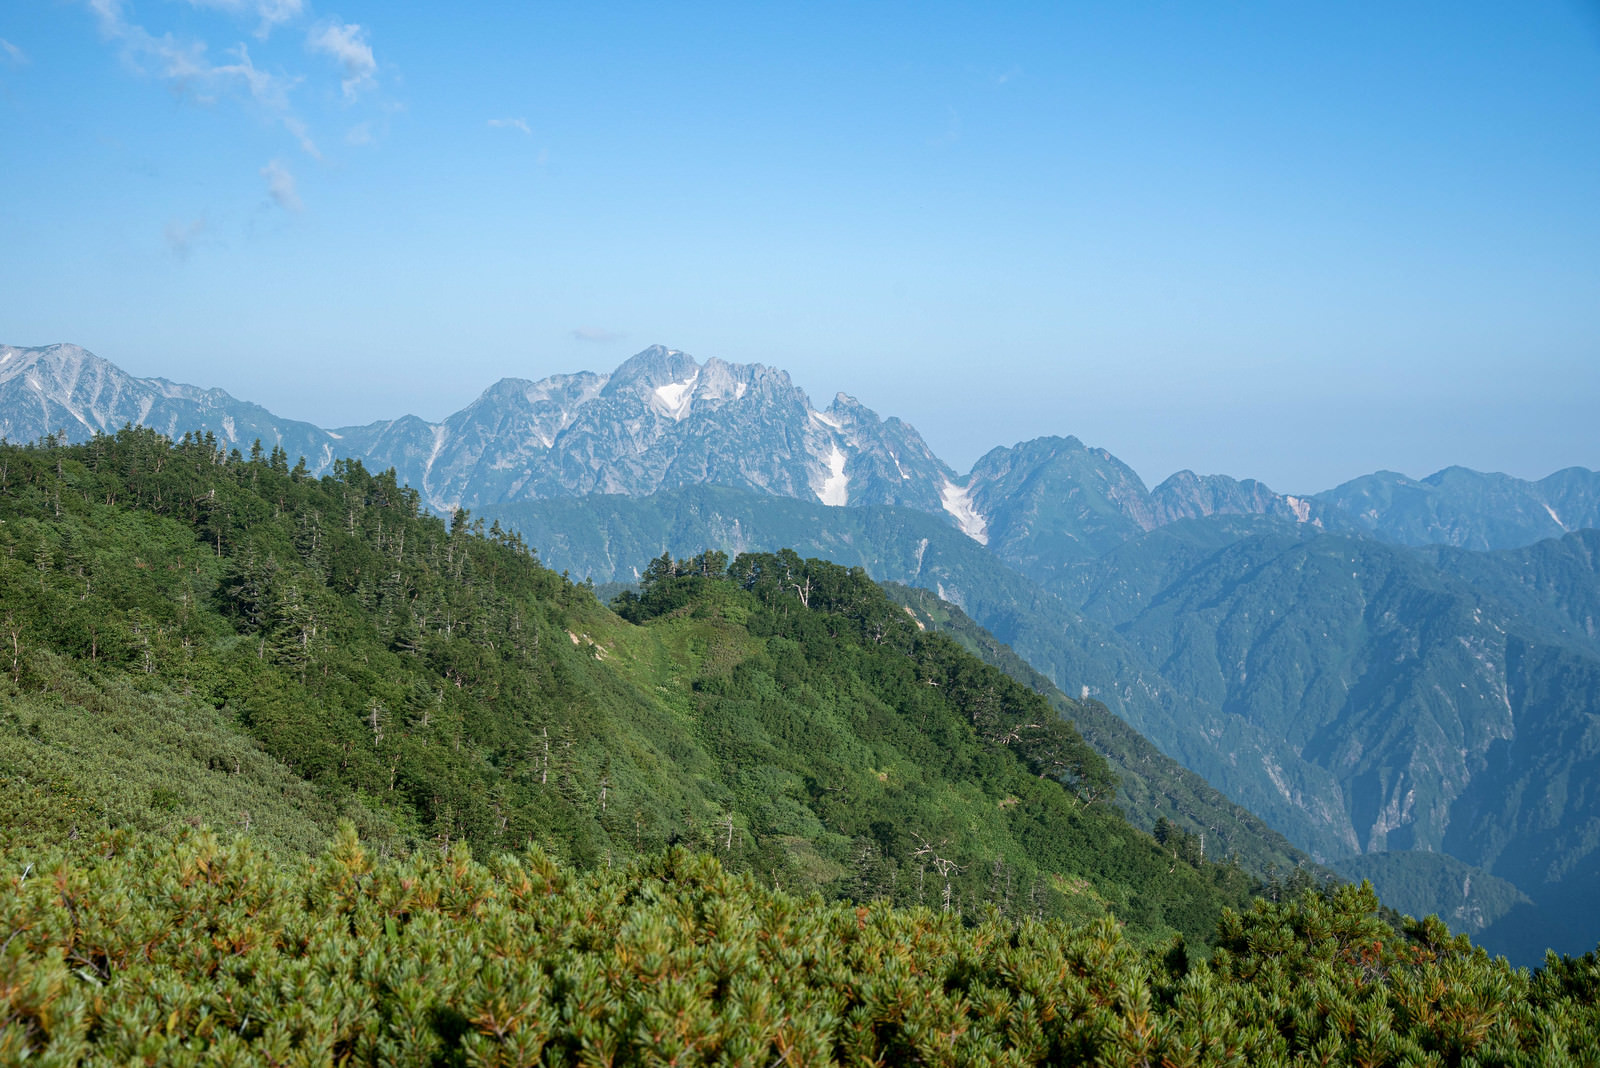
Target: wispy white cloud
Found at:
x=141, y=49
x=303, y=135
x=10, y=53
x=347, y=44
x=512, y=124
x=269, y=90
x=180, y=236
x=272, y=13
x=281, y=187
x=188, y=69
x=597, y=334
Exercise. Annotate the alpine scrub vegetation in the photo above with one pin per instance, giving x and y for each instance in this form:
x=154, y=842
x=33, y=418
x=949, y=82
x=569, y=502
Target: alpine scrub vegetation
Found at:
x=141, y=950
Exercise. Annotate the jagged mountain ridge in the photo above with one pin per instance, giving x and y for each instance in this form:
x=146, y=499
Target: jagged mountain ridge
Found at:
x=69, y=391
x=1052, y=502
x=1469, y=509
x=661, y=420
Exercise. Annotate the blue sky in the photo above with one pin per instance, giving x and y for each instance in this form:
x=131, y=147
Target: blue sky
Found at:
x=1291, y=241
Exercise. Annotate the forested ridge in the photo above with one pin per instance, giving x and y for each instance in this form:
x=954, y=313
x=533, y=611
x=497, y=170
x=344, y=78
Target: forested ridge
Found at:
x=199, y=645
x=195, y=636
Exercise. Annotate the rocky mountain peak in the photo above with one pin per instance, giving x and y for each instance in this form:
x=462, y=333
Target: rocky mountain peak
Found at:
x=15, y=361
x=655, y=366
x=56, y=363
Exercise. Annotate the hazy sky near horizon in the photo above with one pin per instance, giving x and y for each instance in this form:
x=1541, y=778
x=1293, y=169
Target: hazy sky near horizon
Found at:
x=1297, y=242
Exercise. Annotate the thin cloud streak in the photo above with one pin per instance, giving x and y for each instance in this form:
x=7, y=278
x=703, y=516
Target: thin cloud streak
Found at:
x=347, y=44
x=281, y=187
x=512, y=124
x=12, y=53
x=303, y=135
x=272, y=13
x=185, y=65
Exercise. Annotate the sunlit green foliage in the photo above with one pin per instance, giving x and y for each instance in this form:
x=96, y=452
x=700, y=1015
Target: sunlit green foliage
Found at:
x=204, y=951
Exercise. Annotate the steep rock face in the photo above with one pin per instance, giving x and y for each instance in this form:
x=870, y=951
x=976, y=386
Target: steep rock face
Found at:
x=69, y=391
x=660, y=421
x=484, y=451
x=889, y=463
x=665, y=420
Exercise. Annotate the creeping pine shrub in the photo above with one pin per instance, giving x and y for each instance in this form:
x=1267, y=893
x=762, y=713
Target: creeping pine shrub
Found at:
x=199, y=950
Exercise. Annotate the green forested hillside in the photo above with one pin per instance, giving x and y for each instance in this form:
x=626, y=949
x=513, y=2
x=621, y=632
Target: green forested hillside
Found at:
x=1419, y=883
x=592, y=535
x=193, y=636
x=1360, y=697
x=1401, y=702
x=1154, y=790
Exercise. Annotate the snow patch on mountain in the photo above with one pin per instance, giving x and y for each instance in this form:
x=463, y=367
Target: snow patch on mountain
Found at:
x=958, y=502
x=440, y=433
x=1557, y=518
x=835, y=491
x=827, y=420
x=674, y=399
x=1300, y=507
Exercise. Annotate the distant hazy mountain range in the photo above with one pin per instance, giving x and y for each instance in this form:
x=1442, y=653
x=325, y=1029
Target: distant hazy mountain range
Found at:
x=1389, y=671
x=664, y=421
